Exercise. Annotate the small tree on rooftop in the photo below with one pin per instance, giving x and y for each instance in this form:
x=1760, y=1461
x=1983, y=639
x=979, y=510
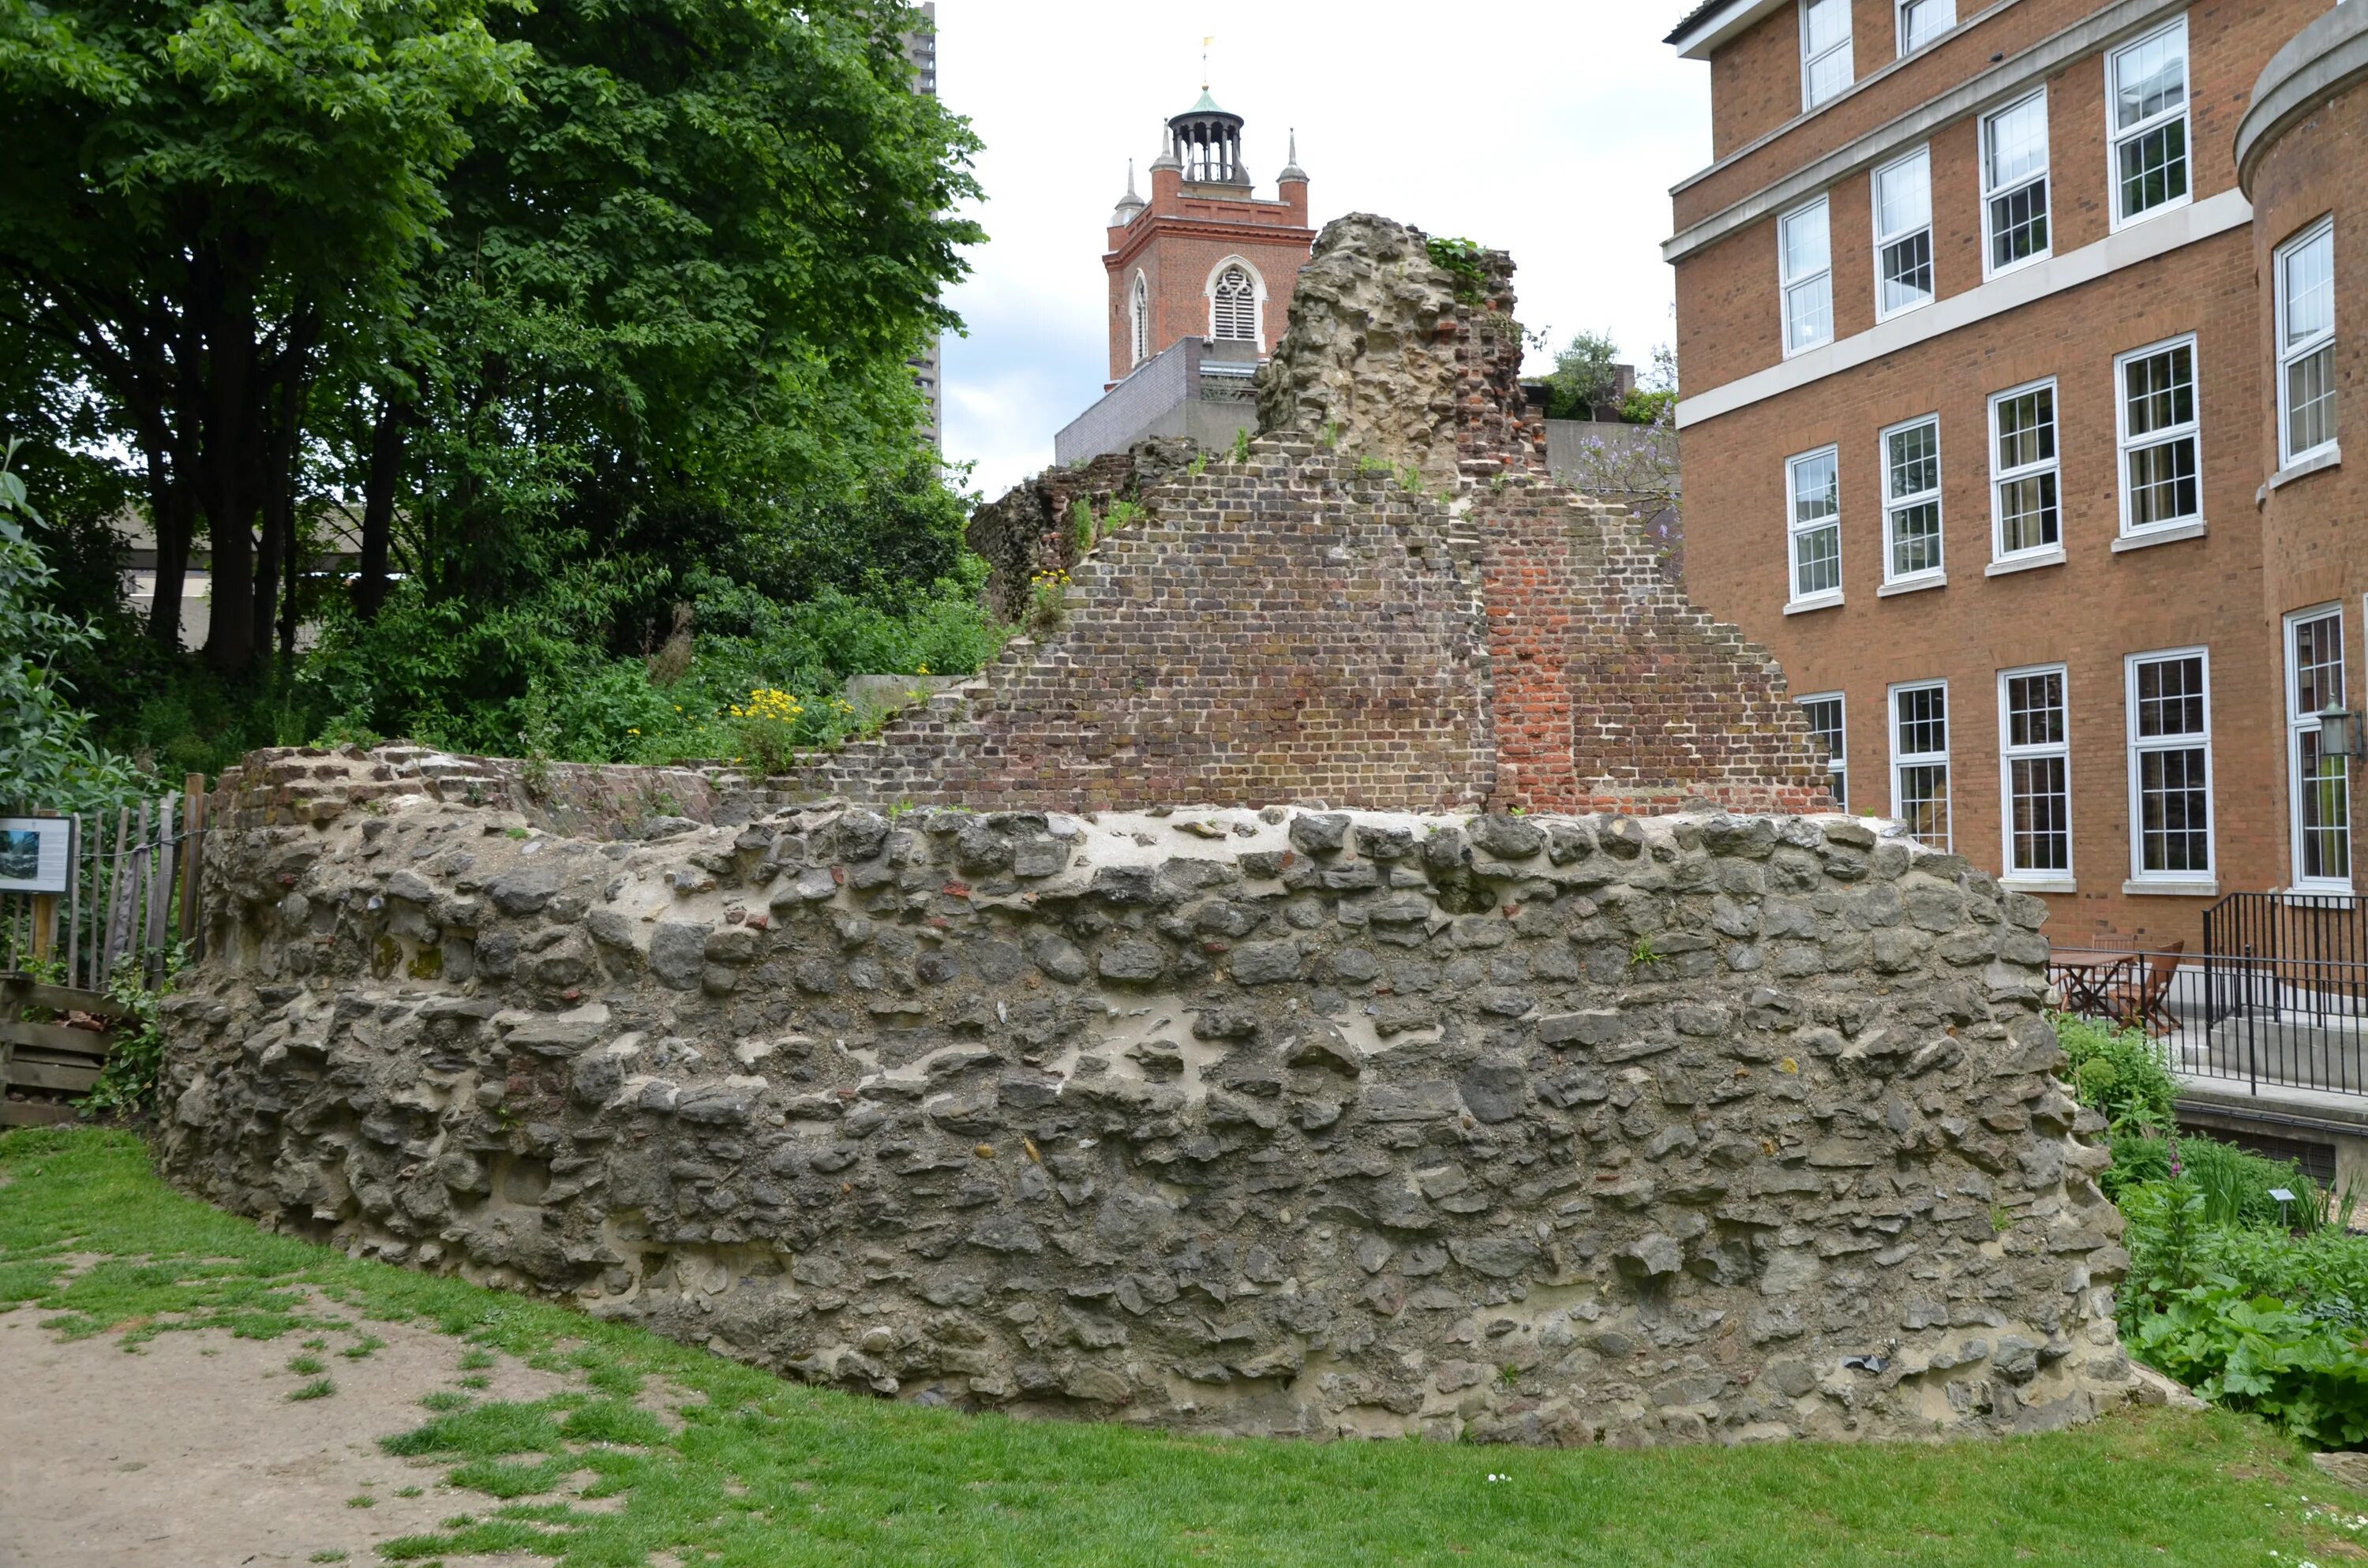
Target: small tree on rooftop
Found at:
x=1583, y=377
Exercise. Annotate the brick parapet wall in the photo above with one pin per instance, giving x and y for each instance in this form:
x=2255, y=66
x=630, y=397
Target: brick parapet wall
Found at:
x=1293, y=626
x=1612, y=692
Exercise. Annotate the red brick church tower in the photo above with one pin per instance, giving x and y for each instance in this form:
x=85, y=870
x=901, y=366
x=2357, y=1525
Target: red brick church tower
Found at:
x=1205, y=257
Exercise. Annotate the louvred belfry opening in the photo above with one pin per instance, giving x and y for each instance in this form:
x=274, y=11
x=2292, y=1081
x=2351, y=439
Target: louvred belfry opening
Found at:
x=1233, y=307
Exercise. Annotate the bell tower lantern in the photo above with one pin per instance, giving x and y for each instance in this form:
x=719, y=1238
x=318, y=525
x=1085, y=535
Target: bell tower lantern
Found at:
x=1208, y=141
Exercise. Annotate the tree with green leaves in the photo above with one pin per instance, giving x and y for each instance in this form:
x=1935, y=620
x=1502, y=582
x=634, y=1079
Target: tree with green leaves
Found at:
x=680, y=278
x=524, y=295
x=47, y=758
x=210, y=196
x=1584, y=377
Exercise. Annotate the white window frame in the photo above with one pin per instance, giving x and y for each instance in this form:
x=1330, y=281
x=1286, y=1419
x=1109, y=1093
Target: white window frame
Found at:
x=2299, y=724
x=1899, y=9
x=2046, y=177
x=1815, y=599
x=2127, y=446
x=2049, y=878
x=2202, y=881
x=1837, y=768
x=2115, y=135
x=1840, y=46
x=1893, y=503
x=2001, y=476
x=1138, y=318
x=2288, y=455
x=1902, y=760
x=1875, y=210
x=1786, y=282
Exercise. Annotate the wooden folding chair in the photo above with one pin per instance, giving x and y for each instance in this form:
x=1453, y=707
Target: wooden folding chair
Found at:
x=2138, y=1002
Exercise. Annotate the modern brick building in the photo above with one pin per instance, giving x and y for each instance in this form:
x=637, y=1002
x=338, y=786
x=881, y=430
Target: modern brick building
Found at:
x=928, y=365
x=2017, y=340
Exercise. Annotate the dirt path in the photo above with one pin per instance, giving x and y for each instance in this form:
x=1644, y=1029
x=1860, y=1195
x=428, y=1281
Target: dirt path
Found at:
x=189, y=1454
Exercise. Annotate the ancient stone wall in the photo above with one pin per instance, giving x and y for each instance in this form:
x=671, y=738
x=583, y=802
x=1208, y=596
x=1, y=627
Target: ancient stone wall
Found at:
x=1395, y=358
x=1535, y=1128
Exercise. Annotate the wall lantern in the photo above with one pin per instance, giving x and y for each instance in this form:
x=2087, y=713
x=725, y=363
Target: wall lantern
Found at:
x=2339, y=732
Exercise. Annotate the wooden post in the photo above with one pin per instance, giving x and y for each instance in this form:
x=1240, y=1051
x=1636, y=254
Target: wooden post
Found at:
x=159, y=925
x=74, y=902
x=110, y=941
x=45, y=925
x=193, y=827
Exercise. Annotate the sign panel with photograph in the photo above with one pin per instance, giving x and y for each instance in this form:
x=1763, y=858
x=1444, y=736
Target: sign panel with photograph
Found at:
x=36, y=853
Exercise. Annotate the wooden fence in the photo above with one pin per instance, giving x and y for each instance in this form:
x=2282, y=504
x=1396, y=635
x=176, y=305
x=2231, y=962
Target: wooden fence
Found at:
x=50, y=1061
x=132, y=894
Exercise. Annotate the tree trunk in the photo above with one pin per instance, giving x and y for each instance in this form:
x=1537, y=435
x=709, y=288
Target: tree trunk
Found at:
x=168, y=520
x=288, y=605
x=277, y=568
x=378, y=505
x=223, y=306
x=271, y=552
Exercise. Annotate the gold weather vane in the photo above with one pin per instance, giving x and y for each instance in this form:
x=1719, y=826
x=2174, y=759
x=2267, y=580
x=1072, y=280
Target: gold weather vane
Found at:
x=1205, y=61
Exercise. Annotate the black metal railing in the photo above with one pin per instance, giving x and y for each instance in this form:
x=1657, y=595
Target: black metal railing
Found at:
x=2284, y=993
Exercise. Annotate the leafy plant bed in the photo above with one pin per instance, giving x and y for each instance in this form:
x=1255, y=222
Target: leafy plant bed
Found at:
x=757, y=1471
x=2256, y=1303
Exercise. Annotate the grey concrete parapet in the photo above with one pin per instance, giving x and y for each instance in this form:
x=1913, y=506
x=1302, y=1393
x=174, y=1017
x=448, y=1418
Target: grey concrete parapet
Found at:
x=2326, y=58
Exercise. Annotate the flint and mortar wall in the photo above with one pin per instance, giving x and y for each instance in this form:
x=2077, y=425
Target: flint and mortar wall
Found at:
x=1520, y=1128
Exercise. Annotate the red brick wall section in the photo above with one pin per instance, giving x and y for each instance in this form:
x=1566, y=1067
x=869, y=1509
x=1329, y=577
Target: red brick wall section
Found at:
x=1281, y=629
x=1612, y=691
x=1307, y=624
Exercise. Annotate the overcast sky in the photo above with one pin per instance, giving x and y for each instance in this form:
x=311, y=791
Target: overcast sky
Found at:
x=1552, y=129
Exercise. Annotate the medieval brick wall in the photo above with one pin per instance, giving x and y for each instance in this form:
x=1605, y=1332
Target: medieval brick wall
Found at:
x=1390, y=605
x=1033, y=528
x=1612, y=692
x=1298, y=626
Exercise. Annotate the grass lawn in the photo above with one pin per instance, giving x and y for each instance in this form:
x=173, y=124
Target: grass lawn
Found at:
x=766, y=1472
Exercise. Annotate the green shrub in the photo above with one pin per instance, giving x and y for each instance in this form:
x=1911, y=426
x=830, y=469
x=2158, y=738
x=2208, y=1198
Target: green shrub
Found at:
x=1465, y=260
x=2261, y=1355
x=2233, y=1184
x=2122, y=1073
x=47, y=757
x=2255, y=1305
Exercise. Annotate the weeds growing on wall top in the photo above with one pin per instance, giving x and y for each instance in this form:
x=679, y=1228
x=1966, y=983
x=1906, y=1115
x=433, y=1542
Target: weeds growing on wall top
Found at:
x=1465, y=258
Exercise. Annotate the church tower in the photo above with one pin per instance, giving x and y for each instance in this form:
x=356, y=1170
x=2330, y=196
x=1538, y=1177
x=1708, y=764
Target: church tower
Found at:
x=1206, y=256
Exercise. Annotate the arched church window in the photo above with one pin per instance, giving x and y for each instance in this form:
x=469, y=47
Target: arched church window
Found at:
x=1138, y=313
x=1233, y=307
